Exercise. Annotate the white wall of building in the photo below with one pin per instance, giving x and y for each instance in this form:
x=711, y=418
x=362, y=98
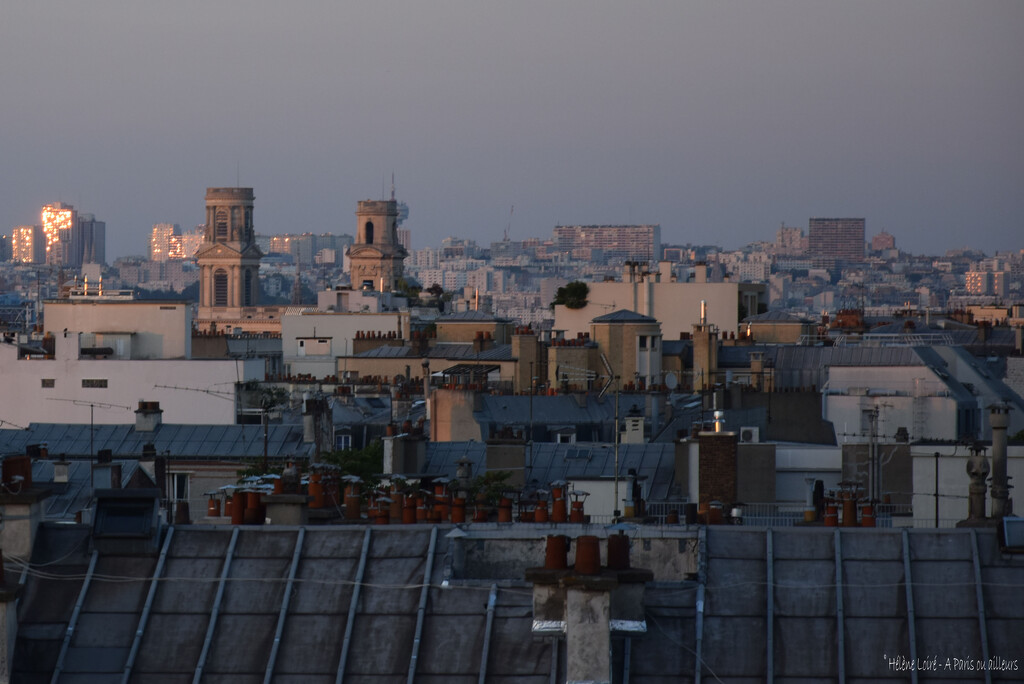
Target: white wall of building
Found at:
x=339, y=328
x=197, y=391
x=158, y=329
x=913, y=397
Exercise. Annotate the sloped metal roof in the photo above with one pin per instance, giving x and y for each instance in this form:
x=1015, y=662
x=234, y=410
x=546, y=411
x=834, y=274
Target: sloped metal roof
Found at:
x=831, y=601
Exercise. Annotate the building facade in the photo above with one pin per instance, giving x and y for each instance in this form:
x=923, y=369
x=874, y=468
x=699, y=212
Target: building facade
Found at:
x=615, y=243
x=835, y=241
x=28, y=245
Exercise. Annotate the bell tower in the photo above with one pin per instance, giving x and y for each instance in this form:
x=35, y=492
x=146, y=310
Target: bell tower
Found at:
x=375, y=258
x=229, y=260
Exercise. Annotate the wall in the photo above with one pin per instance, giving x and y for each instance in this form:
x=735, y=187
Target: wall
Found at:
x=755, y=466
x=340, y=328
x=451, y=416
x=207, y=394
x=160, y=329
x=953, y=482
x=675, y=305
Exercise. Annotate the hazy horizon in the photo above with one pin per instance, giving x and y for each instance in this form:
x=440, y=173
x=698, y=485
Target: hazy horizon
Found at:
x=718, y=120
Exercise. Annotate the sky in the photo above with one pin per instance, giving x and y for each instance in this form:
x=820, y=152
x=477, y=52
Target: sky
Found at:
x=720, y=120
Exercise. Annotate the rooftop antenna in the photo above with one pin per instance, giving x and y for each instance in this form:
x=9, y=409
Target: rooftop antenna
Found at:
x=508, y=227
x=238, y=175
x=392, y=186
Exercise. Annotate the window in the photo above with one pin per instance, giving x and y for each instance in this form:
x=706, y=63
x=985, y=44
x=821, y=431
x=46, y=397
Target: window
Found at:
x=369, y=232
x=221, y=224
x=47, y=382
x=94, y=382
x=643, y=341
x=220, y=288
x=343, y=441
x=179, y=486
x=247, y=289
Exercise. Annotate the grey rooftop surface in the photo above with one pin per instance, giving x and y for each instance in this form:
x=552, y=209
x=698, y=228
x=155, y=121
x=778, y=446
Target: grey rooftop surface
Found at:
x=550, y=462
x=624, y=316
x=202, y=442
x=253, y=604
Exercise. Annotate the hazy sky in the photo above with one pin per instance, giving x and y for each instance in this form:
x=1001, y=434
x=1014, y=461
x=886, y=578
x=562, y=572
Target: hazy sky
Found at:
x=719, y=120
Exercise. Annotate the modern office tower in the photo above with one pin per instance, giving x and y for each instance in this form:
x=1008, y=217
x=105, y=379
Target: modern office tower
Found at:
x=836, y=241
x=59, y=222
x=375, y=259
x=28, y=245
x=92, y=236
x=617, y=243
x=5, y=247
x=229, y=259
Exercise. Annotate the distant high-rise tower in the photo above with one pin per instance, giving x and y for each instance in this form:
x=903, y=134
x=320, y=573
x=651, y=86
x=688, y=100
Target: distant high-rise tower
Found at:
x=28, y=245
x=162, y=241
x=836, y=241
x=375, y=258
x=59, y=223
x=93, y=240
x=229, y=260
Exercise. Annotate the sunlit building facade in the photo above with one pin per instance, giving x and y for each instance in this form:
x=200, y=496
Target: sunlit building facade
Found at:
x=59, y=228
x=28, y=245
x=167, y=243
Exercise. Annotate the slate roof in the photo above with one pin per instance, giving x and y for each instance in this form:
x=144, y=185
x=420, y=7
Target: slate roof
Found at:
x=513, y=409
x=551, y=462
x=832, y=604
x=777, y=316
x=444, y=350
x=470, y=317
x=66, y=499
x=205, y=442
x=623, y=316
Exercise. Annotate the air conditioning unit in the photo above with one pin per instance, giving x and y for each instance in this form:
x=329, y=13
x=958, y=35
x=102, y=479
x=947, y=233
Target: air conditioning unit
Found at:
x=750, y=435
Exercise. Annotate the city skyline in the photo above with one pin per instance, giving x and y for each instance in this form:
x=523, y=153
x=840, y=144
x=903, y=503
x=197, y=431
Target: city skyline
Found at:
x=718, y=122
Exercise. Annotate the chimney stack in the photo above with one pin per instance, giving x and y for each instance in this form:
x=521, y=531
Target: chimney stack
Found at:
x=1002, y=505
x=148, y=416
x=588, y=602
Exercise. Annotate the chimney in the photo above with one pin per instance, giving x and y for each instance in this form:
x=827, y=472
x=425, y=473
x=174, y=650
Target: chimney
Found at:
x=20, y=507
x=1002, y=505
x=61, y=471
x=148, y=416
x=588, y=603
x=717, y=469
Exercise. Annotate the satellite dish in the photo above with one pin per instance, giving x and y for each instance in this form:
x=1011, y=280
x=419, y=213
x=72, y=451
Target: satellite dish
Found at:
x=670, y=380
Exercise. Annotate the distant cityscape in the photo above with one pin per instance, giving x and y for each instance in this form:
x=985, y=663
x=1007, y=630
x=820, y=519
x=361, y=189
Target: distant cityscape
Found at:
x=828, y=266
